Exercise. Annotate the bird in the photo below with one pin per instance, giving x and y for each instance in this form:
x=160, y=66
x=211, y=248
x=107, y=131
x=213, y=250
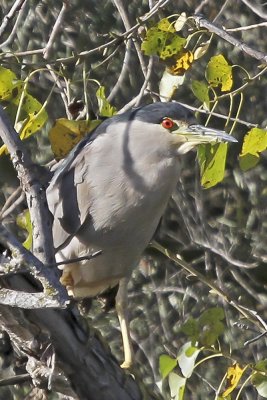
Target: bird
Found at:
x=109, y=194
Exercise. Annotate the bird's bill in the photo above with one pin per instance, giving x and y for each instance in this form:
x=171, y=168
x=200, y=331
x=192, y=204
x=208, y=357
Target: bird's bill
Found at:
x=192, y=135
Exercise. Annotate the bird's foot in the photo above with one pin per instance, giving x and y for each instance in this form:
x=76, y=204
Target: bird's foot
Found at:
x=127, y=364
x=66, y=279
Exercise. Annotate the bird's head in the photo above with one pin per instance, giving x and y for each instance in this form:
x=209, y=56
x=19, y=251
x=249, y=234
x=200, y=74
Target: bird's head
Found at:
x=178, y=123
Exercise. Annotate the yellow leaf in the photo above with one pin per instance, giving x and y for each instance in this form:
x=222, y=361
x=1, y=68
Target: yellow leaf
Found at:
x=165, y=25
x=32, y=114
x=105, y=108
x=219, y=72
x=255, y=142
x=10, y=86
x=234, y=374
x=24, y=221
x=182, y=62
x=65, y=134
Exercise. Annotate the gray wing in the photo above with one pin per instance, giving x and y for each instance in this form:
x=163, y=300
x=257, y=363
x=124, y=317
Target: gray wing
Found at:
x=68, y=195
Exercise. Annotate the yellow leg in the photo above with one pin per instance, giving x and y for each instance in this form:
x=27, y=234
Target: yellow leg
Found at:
x=121, y=308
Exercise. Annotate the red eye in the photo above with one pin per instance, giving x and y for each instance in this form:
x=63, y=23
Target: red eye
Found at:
x=167, y=123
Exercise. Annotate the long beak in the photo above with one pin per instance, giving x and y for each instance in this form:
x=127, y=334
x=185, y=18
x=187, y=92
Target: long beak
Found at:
x=194, y=134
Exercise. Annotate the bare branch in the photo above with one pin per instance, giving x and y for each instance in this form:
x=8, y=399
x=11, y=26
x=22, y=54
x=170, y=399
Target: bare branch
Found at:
x=123, y=73
x=84, y=360
x=203, y=23
x=27, y=300
x=126, y=35
x=15, y=27
x=207, y=112
x=120, y=6
x=75, y=260
x=16, y=198
x=34, y=190
x=246, y=28
x=146, y=82
x=10, y=15
x=258, y=12
x=49, y=277
x=56, y=27
x=15, y=380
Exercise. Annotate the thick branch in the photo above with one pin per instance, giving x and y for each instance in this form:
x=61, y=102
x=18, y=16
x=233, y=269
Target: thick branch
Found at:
x=30, y=179
x=27, y=300
x=80, y=354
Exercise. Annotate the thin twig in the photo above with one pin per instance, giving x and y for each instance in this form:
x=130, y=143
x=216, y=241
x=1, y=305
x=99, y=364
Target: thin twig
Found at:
x=123, y=73
x=15, y=27
x=10, y=15
x=12, y=203
x=15, y=380
x=55, y=30
x=79, y=259
x=146, y=82
x=247, y=313
x=10, y=200
x=255, y=9
x=245, y=28
x=127, y=34
x=120, y=6
x=207, y=112
x=62, y=90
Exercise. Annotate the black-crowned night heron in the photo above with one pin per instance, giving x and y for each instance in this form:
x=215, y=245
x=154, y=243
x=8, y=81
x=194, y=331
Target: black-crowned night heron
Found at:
x=110, y=193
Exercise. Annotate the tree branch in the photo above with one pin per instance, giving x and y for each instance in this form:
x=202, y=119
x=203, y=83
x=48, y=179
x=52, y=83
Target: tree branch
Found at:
x=49, y=277
x=10, y=15
x=203, y=23
x=86, y=362
x=43, y=248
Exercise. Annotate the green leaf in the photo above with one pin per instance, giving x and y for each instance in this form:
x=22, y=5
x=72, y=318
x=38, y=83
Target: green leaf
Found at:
x=259, y=381
x=212, y=160
x=32, y=114
x=191, y=330
x=166, y=365
x=177, y=386
x=261, y=365
x=105, y=108
x=187, y=358
x=219, y=73
x=211, y=326
x=254, y=143
x=175, y=46
x=10, y=86
x=165, y=25
x=36, y=116
x=24, y=221
x=161, y=40
x=201, y=91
